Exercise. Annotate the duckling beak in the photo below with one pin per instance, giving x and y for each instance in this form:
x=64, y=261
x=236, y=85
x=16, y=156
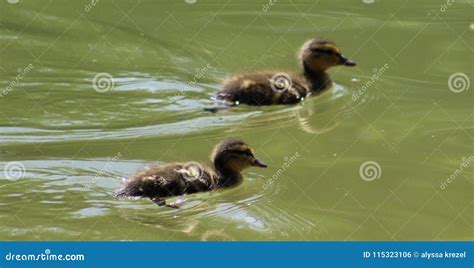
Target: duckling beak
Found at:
x=347, y=62
x=258, y=163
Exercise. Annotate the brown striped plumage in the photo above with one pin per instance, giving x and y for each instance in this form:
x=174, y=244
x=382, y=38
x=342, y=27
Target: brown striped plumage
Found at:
x=157, y=182
x=266, y=88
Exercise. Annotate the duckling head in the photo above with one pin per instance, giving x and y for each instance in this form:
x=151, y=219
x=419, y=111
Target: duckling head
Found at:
x=319, y=54
x=234, y=155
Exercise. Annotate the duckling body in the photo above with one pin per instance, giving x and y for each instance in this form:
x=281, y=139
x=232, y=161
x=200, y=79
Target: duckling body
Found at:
x=171, y=180
x=266, y=88
x=157, y=182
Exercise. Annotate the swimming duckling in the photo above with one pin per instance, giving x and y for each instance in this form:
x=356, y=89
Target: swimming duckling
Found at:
x=266, y=88
x=157, y=182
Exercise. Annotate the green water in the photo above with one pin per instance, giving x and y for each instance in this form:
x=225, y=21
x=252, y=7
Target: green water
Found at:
x=167, y=58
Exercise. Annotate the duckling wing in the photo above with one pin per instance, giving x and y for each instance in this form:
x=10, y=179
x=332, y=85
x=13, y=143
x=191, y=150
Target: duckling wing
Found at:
x=264, y=88
x=170, y=180
x=196, y=178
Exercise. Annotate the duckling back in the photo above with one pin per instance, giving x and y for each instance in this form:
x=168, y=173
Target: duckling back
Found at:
x=169, y=180
x=264, y=88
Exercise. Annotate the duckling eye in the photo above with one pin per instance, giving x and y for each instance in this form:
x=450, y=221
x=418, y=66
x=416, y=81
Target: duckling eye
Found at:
x=238, y=152
x=247, y=153
x=324, y=51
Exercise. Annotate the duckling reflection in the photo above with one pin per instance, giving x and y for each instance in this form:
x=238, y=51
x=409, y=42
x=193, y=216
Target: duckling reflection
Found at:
x=267, y=88
x=308, y=117
x=229, y=158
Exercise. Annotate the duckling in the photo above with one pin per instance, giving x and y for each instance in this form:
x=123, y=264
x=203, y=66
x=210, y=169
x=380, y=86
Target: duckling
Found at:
x=229, y=158
x=266, y=88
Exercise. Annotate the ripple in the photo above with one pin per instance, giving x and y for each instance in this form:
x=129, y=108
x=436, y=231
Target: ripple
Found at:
x=197, y=124
x=90, y=212
x=236, y=207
